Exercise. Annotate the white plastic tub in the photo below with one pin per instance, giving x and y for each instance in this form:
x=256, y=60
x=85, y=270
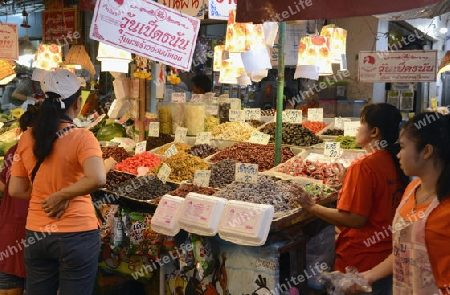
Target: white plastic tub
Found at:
x=165, y=219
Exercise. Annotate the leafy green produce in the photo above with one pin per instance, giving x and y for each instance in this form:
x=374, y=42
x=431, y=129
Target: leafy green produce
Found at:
x=109, y=132
x=347, y=142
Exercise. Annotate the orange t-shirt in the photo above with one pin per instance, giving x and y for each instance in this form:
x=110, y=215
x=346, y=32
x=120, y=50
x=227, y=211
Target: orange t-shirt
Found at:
x=62, y=168
x=437, y=236
x=371, y=188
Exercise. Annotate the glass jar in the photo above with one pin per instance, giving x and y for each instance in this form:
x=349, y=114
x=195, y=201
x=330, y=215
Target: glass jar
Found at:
x=194, y=117
x=165, y=117
x=177, y=115
x=211, y=115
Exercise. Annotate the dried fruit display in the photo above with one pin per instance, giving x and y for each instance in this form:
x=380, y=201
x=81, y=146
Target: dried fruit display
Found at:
x=292, y=134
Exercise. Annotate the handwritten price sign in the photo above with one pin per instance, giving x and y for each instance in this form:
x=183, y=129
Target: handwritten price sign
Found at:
x=339, y=122
x=315, y=115
x=178, y=97
x=253, y=114
x=180, y=134
x=212, y=110
x=153, y=129
x=164, y=173
x=350, y=128
x=236, y=116
x=202, y=177
x=246, y=172
x=197, y=98
x=259, y=137
x=172, y=151
x=332, y=149
x=203, y=138
x=140, y=147
x=292, y=116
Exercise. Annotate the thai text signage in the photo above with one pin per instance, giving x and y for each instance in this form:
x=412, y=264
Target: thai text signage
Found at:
x=398, y=66
x=9, y=42
x=195, y=8
x=220, y=9
x=149, y=29
x=60, y=26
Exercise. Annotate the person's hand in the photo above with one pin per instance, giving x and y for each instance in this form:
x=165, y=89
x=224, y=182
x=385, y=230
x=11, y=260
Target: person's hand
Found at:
x=110, y=163
x=341, y=172
x=55, y=205
x=301, y=197
x=368, y=276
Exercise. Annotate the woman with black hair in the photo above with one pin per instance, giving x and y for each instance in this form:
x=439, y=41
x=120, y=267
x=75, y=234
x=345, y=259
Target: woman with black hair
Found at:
x=371, y=191
x=421, y=255
x=58, y=166
x=13, y=216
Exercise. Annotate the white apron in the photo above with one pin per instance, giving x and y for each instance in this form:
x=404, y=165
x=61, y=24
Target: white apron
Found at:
x=413, y=274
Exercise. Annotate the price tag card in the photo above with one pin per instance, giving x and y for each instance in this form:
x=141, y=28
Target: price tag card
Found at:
x=253, y=114
x=203, y=138
x=164, y=173
x=171, y=151
x=178, y=97
x=208, y=96
x=246, y=172
x=180, y=134
x=259, y=137
x=315, y=115
x=236, y=116
x=197, y=98
x=212, y=110
x=350, y=128
x=153, y=129
x=201, y=177
x=339, y=122
x=140, y=147
x=332, y=149
x=292, y=116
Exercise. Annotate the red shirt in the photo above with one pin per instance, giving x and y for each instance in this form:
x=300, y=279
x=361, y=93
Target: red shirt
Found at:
x=371, y=188
x=13, y=217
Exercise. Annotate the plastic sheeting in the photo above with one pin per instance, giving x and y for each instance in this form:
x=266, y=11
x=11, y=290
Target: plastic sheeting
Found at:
x=424, y=12
x=258, y=11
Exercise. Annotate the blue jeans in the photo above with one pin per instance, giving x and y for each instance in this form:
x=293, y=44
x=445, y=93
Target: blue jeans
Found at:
x=67, y=261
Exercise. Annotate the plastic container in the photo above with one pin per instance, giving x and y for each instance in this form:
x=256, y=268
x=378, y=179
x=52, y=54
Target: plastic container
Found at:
x=165, y=219
x=245, y=223
x=349, y=108
x=201, y=214
x=341, y=90
x=177, y=115
x=194, y=118
x=224, y=111
x=165, y=117
x=329, y=108
x=211, y=115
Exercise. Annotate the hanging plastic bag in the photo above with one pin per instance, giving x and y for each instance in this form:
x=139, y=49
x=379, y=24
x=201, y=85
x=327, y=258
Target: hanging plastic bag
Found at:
x=339, y=283
x=320, y=249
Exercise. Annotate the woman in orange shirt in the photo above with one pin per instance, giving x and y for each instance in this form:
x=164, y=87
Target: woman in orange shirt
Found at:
x=371, y=190
x=420, y=261
x=58, y=166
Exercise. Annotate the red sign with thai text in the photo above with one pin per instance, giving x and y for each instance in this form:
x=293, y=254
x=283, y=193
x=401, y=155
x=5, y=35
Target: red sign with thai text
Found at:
x=60, y=26
x=150, y=29
x=9, y=42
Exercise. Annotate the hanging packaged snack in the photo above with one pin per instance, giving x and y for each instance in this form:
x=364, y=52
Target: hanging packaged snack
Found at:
x=143, y=241
x=204, y=260
x=107, y=212
x=187, y=255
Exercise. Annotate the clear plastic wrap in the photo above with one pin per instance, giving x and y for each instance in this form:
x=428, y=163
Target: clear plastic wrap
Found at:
x=339, y=283
x=177, y=115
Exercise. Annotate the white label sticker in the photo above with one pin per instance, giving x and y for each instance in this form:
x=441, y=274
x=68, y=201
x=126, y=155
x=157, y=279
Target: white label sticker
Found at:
x=202, y=177
x=178, y=97
x=246, y=172
x=180, y=134
x=315, y=115
x=350, y=128
x=153, y=129
x=339, y=122
x=212, y=110
x=164, y=173
x=172, y=151
x=292, y=116
x=259, y=137
x=253, y=114
x=140, y=147
x=197, y=98
x=236, y=116
x=203, y=138
x=332, y=149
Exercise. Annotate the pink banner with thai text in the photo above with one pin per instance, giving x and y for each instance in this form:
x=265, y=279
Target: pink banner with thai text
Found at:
x=149, y=29
x=9, y=42
x=397, y=66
